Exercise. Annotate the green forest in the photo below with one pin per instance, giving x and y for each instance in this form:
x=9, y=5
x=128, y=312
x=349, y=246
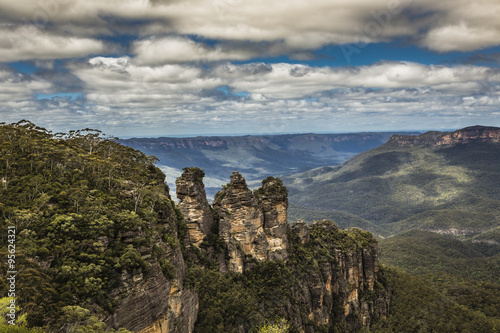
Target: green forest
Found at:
x=88, y=211
x=74, y=198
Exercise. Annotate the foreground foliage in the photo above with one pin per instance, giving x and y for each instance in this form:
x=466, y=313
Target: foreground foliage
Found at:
x=73, y=200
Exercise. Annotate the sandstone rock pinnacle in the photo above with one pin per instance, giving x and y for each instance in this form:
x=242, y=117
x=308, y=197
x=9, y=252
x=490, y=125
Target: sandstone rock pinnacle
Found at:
x=252, y=224
x=194, y=205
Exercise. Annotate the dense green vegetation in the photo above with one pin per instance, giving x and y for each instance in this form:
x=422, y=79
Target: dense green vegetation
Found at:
x=454, y=284
x=83, y=207
x=439, y=304
x=405, y=192
x=421, y=252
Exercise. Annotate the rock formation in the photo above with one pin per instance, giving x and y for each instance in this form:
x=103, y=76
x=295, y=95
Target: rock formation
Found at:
x=461, y=136
x=154, y=302
x=252, y=225
x=194, y=205
x=346, y=281
x=151, y=303
x=339, y=285
x=273, y=199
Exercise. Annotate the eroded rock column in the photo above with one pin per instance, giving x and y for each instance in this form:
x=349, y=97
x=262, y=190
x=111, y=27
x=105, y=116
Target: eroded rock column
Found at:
x=241, y=225
x=193, y=204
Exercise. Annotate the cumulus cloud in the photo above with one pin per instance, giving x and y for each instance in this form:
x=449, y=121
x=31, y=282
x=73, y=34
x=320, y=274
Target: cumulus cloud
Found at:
x=289, y=80
x=31, y=43
x=462, y=37
x=179, y=49
x=122, y=96
x=294, y=26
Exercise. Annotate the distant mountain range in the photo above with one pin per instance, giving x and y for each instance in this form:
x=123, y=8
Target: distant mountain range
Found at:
x=255, y=157
x=445, y=182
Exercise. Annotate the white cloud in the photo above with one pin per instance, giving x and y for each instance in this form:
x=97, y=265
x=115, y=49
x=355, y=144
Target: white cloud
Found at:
x=70, y=28
x=30, y=43
x=178, y=49
x=123, y=98
x=461, y=37
x=290, y=81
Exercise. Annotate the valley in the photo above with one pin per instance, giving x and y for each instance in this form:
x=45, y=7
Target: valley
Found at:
x=255, y=157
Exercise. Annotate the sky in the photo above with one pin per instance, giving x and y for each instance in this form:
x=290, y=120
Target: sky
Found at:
x=215, y=67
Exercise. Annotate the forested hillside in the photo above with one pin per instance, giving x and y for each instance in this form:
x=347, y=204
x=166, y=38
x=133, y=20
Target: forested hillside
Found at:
x=434, y=201
x=450, y=187
x=90, y=214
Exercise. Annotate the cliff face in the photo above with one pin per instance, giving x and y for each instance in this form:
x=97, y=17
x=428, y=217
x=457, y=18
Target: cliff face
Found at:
x=334, y=271
x=241, y=141
x=346, y=286
x=151, y=303
x=338, y=268
x=273, y=200
x=155, y=301
x=462, y=136
x=252, y=225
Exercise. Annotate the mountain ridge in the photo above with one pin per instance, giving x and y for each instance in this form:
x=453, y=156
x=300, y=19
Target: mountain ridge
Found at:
x=465, y=135
x=442, y=180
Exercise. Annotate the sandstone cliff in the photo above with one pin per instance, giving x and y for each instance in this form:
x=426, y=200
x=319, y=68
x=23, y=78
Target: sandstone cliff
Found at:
x=156, y=301
x=343, y=287
x=252, y=225
x=461, y=136
x=335, y=272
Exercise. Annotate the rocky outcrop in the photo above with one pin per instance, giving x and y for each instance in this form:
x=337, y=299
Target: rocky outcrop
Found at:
x=151, y=303
x=348, y=281
x=252, y=225
x=338, y=269
x=194, y=205
x=462, y=136
x=273, y=200
x=155, y=299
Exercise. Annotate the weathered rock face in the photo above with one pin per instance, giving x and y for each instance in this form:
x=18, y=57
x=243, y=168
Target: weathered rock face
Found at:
x=193, y=204
x=252, y=225
x=338, y=271
x=273, y=200
x=343, y=282
x=462, y=136
x=152, y=302
x=241, y=223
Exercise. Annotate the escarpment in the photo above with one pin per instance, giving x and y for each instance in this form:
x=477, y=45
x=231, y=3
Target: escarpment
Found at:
x=342, y=276
x=332, y=273
x=155, y=299
x=461, y=136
